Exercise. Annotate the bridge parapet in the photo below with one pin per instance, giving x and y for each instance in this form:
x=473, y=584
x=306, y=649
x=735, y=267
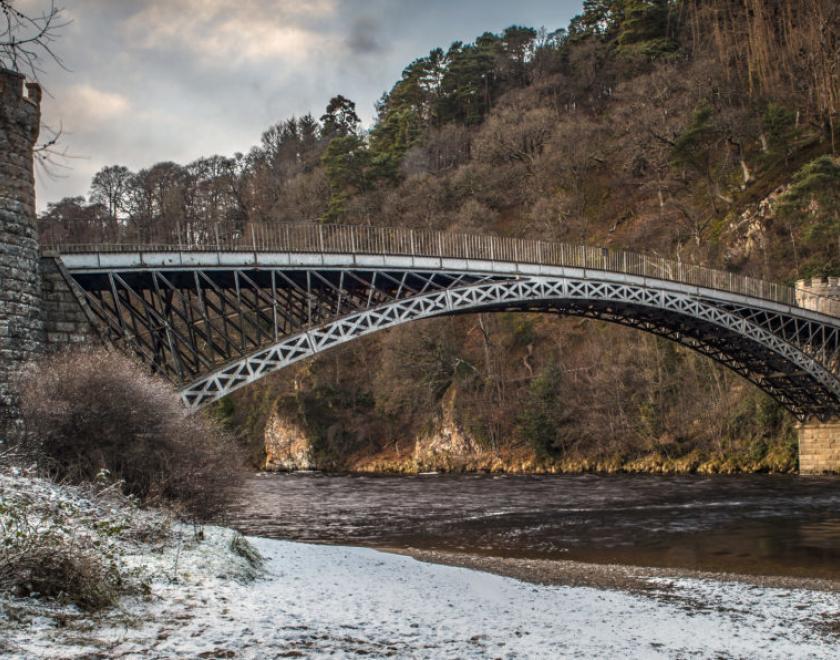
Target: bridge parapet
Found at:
x=420, y=243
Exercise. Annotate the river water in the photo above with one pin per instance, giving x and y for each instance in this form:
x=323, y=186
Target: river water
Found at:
x=763, y=525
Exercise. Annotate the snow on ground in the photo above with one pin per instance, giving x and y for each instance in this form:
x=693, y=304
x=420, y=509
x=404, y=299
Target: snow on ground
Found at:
x=339, y=601
x=202, y=597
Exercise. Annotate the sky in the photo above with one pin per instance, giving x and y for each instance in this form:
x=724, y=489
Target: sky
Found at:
x=146, y=81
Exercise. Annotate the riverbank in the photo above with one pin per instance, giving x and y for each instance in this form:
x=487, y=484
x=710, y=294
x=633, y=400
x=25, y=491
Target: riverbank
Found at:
x=185, y=592
x=529, y=464
x=313, y=601
x=449, y=448
x=634, y=579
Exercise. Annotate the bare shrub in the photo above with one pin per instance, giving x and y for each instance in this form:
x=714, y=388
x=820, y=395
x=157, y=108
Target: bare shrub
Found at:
x=97, y=410
x=47, y=562
x=62, y=571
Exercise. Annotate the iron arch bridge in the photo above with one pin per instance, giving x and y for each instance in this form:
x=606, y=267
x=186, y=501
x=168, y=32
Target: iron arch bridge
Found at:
x=214, y=315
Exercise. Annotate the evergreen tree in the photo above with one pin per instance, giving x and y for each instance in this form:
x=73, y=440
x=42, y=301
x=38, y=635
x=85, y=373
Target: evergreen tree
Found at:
x=517, y=46
x=779, y=125
x=599, y=17
x=644, y=28
x=346, y=162
x=340, y=118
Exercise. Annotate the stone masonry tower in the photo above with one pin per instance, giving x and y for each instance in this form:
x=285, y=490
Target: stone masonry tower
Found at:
x=819, y=443
x=21, y=328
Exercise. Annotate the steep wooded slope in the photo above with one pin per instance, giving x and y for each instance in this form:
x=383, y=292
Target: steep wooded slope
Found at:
x=702, y=130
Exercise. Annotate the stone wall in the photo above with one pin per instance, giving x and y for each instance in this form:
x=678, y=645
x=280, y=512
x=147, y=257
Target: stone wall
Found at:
x=819, y=447
x=67, y=319
x=819, y=444
x=820, y=294
x=21, y=328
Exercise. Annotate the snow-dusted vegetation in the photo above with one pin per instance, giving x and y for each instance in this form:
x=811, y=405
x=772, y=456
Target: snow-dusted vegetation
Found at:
x=74, y=557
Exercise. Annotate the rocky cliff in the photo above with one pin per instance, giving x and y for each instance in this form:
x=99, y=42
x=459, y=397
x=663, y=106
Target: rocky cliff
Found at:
x=448, y=447
x=287, y=447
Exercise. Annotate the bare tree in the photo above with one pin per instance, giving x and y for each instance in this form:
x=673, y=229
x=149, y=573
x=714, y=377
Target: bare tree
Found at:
x=110, y=187
x=25, y=40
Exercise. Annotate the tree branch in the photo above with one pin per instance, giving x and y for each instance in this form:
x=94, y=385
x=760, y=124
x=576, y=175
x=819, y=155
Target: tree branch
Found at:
x=27, y=40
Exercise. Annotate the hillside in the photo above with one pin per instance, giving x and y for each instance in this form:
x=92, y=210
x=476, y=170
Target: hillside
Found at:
x=699, y=130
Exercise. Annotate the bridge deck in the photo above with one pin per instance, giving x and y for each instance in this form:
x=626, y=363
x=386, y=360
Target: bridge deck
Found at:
x=367, y=243
x=88, y=263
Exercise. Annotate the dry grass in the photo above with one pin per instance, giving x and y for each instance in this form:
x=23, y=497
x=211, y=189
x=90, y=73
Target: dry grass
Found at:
x=52, y=548
x=45, y=566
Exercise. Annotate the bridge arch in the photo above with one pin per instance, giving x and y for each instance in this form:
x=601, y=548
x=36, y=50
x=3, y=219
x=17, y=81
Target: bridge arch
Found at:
x=791, y=372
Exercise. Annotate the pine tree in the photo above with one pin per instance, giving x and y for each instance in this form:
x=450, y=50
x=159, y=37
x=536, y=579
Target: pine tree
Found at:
x=644, y=28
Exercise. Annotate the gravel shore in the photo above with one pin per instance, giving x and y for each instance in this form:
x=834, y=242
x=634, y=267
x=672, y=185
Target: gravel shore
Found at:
x=603, y=576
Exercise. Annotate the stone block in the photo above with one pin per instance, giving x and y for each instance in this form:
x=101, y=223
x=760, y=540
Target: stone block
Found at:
x=62, y=326
x=819, y=447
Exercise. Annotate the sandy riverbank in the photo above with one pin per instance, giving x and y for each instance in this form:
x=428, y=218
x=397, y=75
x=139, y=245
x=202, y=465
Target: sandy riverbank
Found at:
x=315, y=601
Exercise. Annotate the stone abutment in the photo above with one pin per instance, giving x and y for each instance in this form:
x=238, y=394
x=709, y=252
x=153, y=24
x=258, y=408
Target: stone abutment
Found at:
x=819, y=442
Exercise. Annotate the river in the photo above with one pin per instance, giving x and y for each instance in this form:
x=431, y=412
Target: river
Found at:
x=755, y=525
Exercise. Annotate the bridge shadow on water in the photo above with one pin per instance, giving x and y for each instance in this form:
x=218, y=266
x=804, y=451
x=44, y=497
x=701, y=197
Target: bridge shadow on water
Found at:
x=763, y=525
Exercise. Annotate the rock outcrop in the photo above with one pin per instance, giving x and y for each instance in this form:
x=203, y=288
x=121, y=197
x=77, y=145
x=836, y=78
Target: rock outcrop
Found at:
x=287, y=447
x=748, y=232
x=448, y=447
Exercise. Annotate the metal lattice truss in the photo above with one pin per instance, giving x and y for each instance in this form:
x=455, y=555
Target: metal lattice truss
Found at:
x=214, y=330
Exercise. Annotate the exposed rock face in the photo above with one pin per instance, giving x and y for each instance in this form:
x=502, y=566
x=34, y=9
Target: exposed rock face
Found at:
x=21, y=327
x=287, y=447
x=448, y=447
x=749, y=230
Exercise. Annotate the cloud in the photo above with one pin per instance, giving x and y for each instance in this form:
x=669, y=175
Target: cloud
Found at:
x=154, y=80
x=93, y=104
x=365, y=36
x=247, y=31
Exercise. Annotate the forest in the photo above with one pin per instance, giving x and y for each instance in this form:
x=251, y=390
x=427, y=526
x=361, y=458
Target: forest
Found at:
x=701, y=130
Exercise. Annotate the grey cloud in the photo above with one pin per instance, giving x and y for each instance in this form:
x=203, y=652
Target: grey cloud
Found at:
x=366, y=36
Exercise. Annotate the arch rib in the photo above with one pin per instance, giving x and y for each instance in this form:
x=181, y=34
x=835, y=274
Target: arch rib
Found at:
x=537, y=293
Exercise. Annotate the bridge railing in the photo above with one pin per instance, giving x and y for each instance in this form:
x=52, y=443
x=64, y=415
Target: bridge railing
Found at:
x=365, y=239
